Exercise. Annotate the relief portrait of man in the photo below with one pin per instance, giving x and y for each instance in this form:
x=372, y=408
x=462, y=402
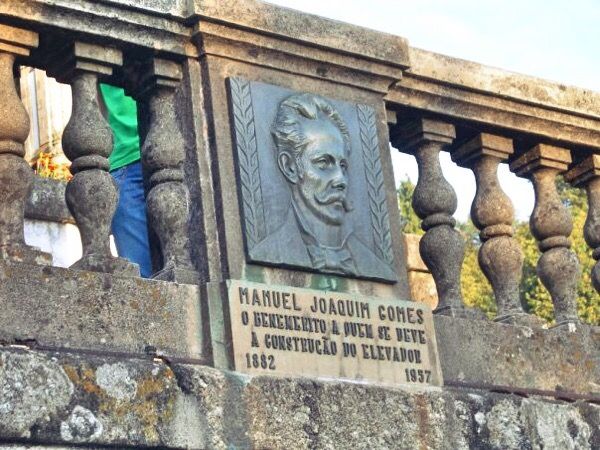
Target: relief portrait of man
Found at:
x=312, y=152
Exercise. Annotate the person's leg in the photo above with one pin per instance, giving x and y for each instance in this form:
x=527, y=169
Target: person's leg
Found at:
x=129, y=225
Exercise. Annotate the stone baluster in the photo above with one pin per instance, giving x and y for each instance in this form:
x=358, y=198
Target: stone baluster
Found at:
x=551, y=225
x=163, y=155
x=586, y=175
x=91, y=194
x=434, y=201
x=16, y=177
x=500, y=256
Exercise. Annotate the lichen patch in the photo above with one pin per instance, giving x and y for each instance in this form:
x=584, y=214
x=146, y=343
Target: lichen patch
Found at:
x=81, y=426
x=30, y=379
x=116, y=381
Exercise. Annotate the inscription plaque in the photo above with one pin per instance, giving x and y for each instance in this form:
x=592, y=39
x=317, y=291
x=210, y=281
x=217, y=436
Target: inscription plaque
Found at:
x=311, y=182
x=280, y=330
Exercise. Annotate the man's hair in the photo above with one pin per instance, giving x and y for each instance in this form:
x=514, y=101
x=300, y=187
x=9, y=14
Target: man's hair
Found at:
x=287, y=129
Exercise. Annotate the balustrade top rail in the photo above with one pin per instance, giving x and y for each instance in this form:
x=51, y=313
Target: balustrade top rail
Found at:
x=520, y=105
x=167, y=27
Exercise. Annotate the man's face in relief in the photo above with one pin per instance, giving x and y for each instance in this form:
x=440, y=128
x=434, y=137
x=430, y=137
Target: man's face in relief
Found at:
x=322, y=172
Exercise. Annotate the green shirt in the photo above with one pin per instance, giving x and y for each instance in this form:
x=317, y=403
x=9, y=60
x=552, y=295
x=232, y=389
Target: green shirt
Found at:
x=122, y=117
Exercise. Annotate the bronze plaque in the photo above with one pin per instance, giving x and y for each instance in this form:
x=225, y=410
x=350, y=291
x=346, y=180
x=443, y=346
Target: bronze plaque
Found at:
x=311, y=183
x=280, y=330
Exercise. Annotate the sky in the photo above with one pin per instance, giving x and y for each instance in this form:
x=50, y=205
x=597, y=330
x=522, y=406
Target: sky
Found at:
x=553, y=39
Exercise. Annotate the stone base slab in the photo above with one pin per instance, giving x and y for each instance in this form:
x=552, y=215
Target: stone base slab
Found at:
x=520, y=319
x=22, y=253
x=177, y=275
x=462, y=312
x=496, y=354
x=96, y=402
x=62, y=308
x=107, y=264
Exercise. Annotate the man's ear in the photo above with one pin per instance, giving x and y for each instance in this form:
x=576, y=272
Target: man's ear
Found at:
x=288, y=166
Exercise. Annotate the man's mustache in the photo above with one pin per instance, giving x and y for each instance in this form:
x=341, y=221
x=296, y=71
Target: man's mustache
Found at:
x=332, y=197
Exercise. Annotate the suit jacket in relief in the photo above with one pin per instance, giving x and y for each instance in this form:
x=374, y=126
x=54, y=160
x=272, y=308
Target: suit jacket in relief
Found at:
x=292, y=244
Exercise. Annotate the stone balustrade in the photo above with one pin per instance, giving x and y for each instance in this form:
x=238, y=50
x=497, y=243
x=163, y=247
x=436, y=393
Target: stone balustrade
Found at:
x=434, y=201
x=154, y=363
x=551, y=225
x=16, y=177
x=155, y=82
x=163, y=156
x=586, y=175
x=492, y=212
x=87, y=140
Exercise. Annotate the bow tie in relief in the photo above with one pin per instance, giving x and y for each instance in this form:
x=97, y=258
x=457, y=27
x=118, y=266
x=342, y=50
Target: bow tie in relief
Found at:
x=333, y=259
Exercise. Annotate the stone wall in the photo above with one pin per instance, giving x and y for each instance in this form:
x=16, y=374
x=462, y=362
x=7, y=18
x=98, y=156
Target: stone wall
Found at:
x=103, y=401
x=124, y=377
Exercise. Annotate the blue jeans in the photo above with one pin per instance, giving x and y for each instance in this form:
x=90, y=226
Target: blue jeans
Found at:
x=129, y=227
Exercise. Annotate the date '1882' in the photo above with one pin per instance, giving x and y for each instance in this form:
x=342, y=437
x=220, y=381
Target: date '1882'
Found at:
x=262, y=361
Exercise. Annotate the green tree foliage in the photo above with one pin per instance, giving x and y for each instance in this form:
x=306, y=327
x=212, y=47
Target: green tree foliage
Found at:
x=476, y=289
x=534, y=296
x=412, y=223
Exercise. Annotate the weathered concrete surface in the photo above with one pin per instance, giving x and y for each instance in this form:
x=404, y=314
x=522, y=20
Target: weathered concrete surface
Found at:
x=503, y=83
x=175, y=8
x=88, y=310
x=156, y=24
x=498, y=98
x=76, y=401
x=491, y=353
x=291, y=24
x=59, y=399
x=46, y=201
